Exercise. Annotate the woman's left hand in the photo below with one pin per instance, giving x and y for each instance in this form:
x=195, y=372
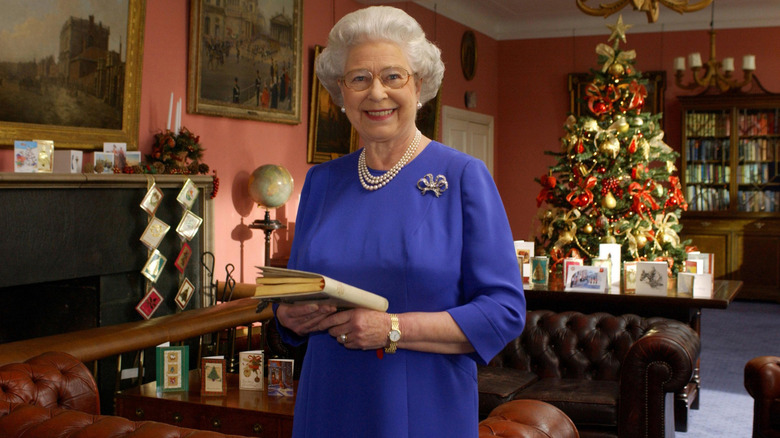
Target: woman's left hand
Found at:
x=358, y=328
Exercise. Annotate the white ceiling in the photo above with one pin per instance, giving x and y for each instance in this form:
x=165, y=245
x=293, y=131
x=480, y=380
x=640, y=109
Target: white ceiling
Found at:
x=528, y=19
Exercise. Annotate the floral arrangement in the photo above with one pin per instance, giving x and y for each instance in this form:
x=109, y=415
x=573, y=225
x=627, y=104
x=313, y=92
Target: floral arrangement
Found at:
x=176, y=153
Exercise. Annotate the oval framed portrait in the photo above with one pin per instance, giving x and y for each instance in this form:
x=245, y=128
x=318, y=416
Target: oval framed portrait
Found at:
x=468, y=54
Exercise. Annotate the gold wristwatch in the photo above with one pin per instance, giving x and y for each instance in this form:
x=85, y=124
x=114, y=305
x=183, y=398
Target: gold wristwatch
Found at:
x=394, y=335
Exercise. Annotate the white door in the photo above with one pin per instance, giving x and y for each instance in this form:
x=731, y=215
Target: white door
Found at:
x=469, y=132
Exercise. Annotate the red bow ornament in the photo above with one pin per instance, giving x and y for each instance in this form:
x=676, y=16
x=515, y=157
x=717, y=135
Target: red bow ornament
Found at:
x=643, y=201
x=548, y=184
x=583, y=197
x=676, y=197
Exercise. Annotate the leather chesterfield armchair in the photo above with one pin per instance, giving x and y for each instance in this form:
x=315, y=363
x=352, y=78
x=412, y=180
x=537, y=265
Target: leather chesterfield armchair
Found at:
x=612, y=375
x=762, y=381
x=53, y=395
x=527, y=419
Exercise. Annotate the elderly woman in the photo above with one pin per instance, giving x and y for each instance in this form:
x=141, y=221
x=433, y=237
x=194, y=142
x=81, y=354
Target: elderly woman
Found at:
x=409, y=219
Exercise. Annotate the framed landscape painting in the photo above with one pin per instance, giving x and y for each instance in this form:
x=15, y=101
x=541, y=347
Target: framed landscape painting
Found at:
x=71, y=72
x=654, y=102
x=245, y=62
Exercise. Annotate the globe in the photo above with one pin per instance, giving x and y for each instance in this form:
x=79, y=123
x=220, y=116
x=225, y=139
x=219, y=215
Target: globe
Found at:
x=270, y=186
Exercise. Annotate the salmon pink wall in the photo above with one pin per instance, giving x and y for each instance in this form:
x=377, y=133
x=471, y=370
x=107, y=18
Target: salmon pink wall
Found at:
x=532, y=81
x=234, y=148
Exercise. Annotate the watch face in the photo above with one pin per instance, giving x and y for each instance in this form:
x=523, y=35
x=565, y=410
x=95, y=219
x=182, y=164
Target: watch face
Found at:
x=394, y=335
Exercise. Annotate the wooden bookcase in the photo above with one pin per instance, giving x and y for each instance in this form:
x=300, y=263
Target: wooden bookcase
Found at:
x=731, y=179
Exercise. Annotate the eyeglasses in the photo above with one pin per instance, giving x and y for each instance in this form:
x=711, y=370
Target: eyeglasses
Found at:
x=361, y=80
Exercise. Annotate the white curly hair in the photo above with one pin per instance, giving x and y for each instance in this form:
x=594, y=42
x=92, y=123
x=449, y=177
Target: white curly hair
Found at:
x=380, y=23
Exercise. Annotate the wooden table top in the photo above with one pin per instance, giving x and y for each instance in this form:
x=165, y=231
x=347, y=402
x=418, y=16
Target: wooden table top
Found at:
x=723, y=294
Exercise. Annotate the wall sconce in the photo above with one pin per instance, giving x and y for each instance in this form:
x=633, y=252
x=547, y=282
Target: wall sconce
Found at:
x=715, y=73
x=650, y=7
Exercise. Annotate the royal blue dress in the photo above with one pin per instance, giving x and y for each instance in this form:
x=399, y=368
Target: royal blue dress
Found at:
x=423, y=253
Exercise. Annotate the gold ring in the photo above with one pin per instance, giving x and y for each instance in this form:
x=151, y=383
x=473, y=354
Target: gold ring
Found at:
x=343, y=338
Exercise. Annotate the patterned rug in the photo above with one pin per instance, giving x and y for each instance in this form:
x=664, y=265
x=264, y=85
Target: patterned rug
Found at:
x=730, y=338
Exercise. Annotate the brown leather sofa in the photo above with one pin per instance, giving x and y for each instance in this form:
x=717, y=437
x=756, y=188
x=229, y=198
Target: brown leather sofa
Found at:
x=612, y=375
x=53, y=395
x=762, y=381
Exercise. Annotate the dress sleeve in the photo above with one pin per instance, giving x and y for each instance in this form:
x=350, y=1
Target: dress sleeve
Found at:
x=494, y=309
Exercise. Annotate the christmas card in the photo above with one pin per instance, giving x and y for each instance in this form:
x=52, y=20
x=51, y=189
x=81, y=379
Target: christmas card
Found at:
x=251, y=370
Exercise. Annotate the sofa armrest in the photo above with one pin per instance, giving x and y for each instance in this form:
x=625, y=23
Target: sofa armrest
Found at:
x=50, y=380
x=658, y=364
x=527, y=419
x=29, y=421
x=762, y=382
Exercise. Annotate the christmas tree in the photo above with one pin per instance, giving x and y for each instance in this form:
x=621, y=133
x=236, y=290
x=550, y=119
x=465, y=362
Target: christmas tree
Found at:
x=613, y=181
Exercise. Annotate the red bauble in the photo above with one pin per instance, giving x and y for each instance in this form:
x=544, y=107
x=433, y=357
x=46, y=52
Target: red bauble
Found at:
x=601, y=170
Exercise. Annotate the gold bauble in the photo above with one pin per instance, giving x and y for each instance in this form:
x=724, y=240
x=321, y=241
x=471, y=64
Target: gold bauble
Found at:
x=590, y=125
x=662, y=238
x=608, y=239
x=637, y=121
x=622, y=125
x=548, y=214
x=608, y=201
x=566, y=236
x=610, y=146
x=616, y=70
x=587, y=229
x=641, y=240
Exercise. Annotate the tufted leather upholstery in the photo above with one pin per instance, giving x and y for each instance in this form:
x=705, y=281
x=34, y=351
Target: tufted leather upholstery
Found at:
x=612, y=375
x=54, y=396
x=527, y=419
x=762, y=381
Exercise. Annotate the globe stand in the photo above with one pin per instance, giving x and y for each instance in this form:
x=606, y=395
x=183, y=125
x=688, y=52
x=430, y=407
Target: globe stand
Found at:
x=268, y=226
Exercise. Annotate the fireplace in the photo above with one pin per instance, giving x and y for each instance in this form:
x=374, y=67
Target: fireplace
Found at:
x=73, y=258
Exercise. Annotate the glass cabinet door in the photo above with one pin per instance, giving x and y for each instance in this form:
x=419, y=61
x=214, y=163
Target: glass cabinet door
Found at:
x=708, y=159
x=758, y=182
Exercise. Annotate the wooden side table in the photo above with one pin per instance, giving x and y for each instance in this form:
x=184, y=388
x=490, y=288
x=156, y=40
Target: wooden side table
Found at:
x=239, y=412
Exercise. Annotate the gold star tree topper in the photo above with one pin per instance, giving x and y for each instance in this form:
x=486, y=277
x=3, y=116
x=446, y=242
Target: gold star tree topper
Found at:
x=619, y=29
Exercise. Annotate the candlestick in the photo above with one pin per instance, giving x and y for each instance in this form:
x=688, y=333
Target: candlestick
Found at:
x=679, y=63
x=170, y=111
x=749, y=62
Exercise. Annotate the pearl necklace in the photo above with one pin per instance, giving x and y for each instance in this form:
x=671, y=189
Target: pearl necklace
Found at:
x=371, y=182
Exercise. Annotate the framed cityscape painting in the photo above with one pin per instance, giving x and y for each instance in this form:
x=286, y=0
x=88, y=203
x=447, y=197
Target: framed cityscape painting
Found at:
x=71, y=72
x=245, y=62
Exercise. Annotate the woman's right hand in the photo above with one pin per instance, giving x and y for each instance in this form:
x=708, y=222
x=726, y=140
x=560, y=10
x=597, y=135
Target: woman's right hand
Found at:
x=303, y=318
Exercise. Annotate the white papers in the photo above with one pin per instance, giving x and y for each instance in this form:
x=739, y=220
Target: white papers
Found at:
x=611, y=251
x=652, y=278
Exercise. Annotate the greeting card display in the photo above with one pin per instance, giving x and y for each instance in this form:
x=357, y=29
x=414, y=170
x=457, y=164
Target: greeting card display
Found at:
x=184, y=257
x=184, y=294
x=568, y=262
x=587, y=279
x=212, y=376
x=188, y=194
x=154, y=233
x=25, y=156
x=524, y=250
x=119, y=151
x=68, y=161
x=104, y=161
x=149, y=304
x=540, y=269
x=607, y=265
x=173, y=368
x=629, y=276
x=45, y=155
x=250, y=370
x=698, y=285
x=280, y=377
x=152, y=199
x=189, y=224
x=611, y=252
x=652, y=278
x=154, y=266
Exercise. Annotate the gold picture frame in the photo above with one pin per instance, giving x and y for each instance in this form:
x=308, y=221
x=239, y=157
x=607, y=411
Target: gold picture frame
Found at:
x=245, y=64
x=100, y=86
x=331, y=135
x=654, y=102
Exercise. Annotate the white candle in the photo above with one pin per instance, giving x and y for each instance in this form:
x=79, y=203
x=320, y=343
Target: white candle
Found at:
x=749, y=63
x=695, y=60
x=170, y=111
x=728, y=64
x=178, y=116
x=679, y=63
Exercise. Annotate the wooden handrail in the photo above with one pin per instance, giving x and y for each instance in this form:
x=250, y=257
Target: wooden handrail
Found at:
x=101, y=342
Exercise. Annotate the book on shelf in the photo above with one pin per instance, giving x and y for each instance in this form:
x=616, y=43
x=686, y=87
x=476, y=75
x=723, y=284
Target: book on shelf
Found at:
x=291, y=286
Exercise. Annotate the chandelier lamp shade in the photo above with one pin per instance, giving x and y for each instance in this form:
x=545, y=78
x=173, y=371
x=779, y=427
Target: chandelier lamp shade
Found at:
x=649, y=7
x=713, y=74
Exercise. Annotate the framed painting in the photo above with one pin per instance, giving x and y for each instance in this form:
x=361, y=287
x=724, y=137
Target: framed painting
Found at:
x=246, y=63
x=73, y=73
x=428, y=117
x=330, y=133
x=654, y=102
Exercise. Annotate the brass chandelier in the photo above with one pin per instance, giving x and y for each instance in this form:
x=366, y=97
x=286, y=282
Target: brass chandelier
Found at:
x=650, y=7
x=716, y=74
